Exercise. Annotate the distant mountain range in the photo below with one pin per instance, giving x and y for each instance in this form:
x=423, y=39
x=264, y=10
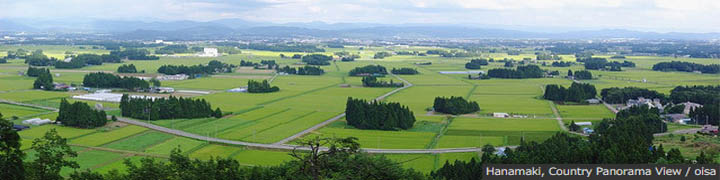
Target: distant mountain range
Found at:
x=236, y=28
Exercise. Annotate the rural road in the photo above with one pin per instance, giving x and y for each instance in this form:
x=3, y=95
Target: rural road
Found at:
x=28, y=105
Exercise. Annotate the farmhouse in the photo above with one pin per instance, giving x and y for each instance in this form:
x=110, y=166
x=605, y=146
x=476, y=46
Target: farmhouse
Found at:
x=592, y=101
x=37, y=121
x=689, y=106
x=172, y=77
x=583, y=123
x=242, y=89
x=654, y=103
x=210, y=52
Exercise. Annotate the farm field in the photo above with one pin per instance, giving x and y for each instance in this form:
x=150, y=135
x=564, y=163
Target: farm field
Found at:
x=305, y=101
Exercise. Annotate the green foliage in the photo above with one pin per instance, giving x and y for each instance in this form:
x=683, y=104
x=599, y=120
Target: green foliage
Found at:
x=134, y=54
x=522, y=72
x=369, y=70
x=35, y=72
x=381, y=55
x=127, y=69
x=574, y=127
x=697, y=94
x=686, y=67
x=562, y=64
x=378, y=115
x=543, y=56
x=317, y=59
x=371, y=81
x=213, y=67
x=708, y=114
x=44, y=80
x=173, y=49
x=11, y=157
x=106, y=80
x=307, y=70
x=676, y=109
x=459, y=170
x=455, y=105
x=53, y=153
x=583, y=75
x=80, y=115
x=476, y=63
x=261, y=87
x=37, y=58
x=404, y=71
x=166, y=108
x=617, y=95
x=578, y=92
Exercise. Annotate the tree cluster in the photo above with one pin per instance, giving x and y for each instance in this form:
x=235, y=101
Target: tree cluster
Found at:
x=105, y=80
x=261, y=87
x=37, y=58
x=80, y=115
x=44, y=79
x=247, y=63
x=522, y=72
x=476, y=63
x=617, y=95
x=543, y=56
x=578, y=92
x=697, y=94
x=404, y=71
x=686, y=67
x=275, y=47
x=381, y=55
x=212, y=67
x=127, y=69
x=583, y=75
x=369, y=70
x=35, y=72
x=173, y=49
x=167, y=108
x=134, y=54
x=317, y=59
x=372, y=81
x=707, y=114
x=362, y=114
x=455, y=105
x=594, y=63
x=306, y=70
x=562, y=64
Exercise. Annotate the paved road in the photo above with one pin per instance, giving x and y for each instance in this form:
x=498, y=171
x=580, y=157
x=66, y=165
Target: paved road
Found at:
x=326, y=122
x=28, y=105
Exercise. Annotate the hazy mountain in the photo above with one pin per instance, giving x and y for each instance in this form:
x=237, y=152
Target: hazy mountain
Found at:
x=237, y=28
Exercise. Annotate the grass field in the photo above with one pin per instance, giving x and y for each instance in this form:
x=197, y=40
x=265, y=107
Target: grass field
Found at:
x=184, y=144
x=139, y=142
x=101, y=138
x=9, y=111
x=585, y=111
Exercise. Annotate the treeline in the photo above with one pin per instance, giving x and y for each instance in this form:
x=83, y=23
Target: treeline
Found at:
x=404, y=71
x=452, y=53
x=476, y=63
x=697, y=94
x=381, y=55
x=707, y=114
x=44, y=79
x=173, y=49
x=261, y=87
x=617, y=95
x=212, y=67
x=582, y=75
x=562, y=64
x=362, y=114
x=134, y=54
x=80, y=115
x=543, y=56
x=522, y=72
x=127, y=69
x=274, y=47
x=317, y=59
x=106, y=80
x=455, y=105
x=369, y=70
x=372, y=81
x=578, y=92
x=306, y=70
x=37, y=58
x=166, y=108
x=686, y=67
x=603, y=64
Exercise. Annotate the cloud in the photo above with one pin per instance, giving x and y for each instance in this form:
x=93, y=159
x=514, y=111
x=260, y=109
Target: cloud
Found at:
x=650, y=15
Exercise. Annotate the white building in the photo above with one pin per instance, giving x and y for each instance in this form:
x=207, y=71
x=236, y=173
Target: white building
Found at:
x=172, y=77
x=165, y=89
x=237, y=90
x=583, y=123
x=210, y=52
x=501, y=115
x=108, y=97
x=37, y=121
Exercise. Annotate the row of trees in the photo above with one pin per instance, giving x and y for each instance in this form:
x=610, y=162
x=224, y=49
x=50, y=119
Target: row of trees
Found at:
x=174, y=49
x=212, y=67
x=707, y=114
x=106, y=80
x=562, y=64
x=697, y=94
x=372, y=81
x=127, y=69
x=35, y=72
x=603, y=64
x=306, y=70
x=522, y=72
x=37, y=58
x=578, y=92
x=134, y=54
x=261, y=87
x=167, y=108
x=687, y=67
x=317, y=59
x=615, y=95
x=543, y=56
x=381, y=55
x=455, y=105
x=362, y=114
x=80, y=115
x=369, y=70
x=404, y=71
x=476, y=63
x=581, y=74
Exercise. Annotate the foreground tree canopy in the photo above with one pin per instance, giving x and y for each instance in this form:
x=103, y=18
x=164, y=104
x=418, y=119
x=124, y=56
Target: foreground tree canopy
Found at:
x=362, y=114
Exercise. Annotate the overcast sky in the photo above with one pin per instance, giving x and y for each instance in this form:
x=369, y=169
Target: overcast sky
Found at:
x=644, y=15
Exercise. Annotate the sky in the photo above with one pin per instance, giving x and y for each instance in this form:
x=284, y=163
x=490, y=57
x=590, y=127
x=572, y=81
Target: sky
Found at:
x=642, y=15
